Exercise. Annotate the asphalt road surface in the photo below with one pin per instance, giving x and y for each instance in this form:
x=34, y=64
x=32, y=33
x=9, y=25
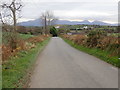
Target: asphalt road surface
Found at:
x=61, y=66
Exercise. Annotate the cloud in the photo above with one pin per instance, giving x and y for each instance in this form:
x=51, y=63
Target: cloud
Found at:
x=72, y=9
x=71, y=0
x=24, y=19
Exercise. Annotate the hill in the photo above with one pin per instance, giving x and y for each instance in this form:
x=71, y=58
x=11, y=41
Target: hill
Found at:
x=37, y=22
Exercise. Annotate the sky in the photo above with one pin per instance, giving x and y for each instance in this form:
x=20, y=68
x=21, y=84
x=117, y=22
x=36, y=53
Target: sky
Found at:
x=73, y=10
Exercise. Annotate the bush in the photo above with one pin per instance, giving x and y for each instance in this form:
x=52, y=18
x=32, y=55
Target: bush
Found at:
x=80, y=39
x=8, y=50
x=97, y=39
x=94, y=36
x=53, y=31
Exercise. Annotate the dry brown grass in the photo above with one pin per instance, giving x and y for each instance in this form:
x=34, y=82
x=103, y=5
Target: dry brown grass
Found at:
x=7, y=51
x=108, y=43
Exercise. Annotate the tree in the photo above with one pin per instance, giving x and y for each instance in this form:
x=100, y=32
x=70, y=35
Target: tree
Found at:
x=47, y=19
x=13, y=8
x=8, y=16
x=54, y=31
x=44, y=22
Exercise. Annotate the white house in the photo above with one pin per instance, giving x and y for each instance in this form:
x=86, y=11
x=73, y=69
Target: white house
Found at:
x=85, y=27
x=57, y=26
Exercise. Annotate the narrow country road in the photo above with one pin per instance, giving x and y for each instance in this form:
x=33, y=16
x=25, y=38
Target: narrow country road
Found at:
x=61, y=66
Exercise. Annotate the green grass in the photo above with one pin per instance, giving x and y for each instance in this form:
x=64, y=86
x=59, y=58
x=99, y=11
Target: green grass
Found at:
x=6, y=38
x=0, y=37
x=114, y=34
x=26, y=36
x=15, y=70
x=0, y=76
x=103, y=55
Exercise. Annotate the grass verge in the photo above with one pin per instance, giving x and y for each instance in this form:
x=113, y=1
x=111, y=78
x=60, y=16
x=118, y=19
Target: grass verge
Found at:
x=103, y=55
x=15, y=71
x=26, y=36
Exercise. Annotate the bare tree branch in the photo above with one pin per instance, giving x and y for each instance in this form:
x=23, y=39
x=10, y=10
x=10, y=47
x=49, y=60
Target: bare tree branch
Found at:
x=48, y=19
x=14, y=7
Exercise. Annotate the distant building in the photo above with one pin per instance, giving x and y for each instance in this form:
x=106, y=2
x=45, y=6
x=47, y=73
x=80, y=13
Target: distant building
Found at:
x=69, y=33
x=85, y=27
x=57, y=26
x=75, y=33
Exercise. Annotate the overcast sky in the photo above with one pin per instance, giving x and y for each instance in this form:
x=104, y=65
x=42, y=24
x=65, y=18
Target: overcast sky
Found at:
x=74, y=10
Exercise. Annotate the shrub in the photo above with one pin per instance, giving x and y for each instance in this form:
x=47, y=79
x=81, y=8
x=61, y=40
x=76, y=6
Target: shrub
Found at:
x=94, y=36
x=6, y=52
x=97, y=39
x=80, y=39
x=53, y=31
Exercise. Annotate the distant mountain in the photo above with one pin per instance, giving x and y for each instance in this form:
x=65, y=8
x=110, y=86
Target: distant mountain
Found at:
x=99, y=23
x=64, y=22
x=37, y=22
x=72, y=22
x=85, y=22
